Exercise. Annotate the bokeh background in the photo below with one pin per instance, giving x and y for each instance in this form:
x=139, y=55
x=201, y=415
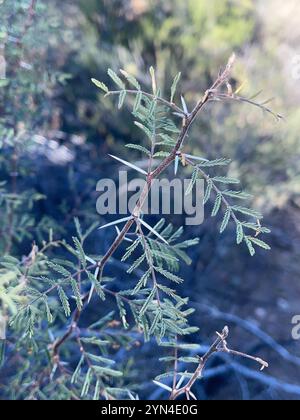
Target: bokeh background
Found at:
x=65, y=131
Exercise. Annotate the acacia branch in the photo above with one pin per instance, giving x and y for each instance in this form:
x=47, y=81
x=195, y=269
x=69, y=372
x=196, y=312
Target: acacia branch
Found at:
x=188, y=121
x=187, y=124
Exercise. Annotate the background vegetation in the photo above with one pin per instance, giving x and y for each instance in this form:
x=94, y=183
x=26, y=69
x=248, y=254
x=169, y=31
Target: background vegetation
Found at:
x=56, y=132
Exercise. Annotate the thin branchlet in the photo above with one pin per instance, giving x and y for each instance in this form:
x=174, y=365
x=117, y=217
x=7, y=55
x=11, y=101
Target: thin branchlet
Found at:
x=220, y=345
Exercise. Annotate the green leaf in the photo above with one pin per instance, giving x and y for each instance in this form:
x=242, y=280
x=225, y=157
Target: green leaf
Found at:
x=208, y=191
x=107, y=372
x=139, y=148
x=148, y=302
x=95, y=341
x=87, y=383
x=239, y=233
x=153, y=79
x=100, y=359
x=171, y=374
x=174, y=86
x=193, y=181
x=80, y=252
x=130, y=250
x=212, y=163
x=167, y=140
x=136, y=264
x=237, y=194
x=142, y=282
x=171, y=293
x=217, y=205
x=100, y=85
x=226, y=180
x=161, y=154
x=144, y=129
x=169, y=276
x=226, y=220
x=122, y=98
x=145, y=327
x=257, y=228
x=183, y=255
x=152, y=109
x=189, y=360
x=250, y=246
x=76, y=292
x=116, y=79
x=76, y=373
x=59, y=269
x=248, y=212
x=171, y=128
x=138, y=101
x=177, y=234
x=78, y=228
x=259, y=243
x=174, y=327
x=188, y=347
x=131, y=79
x=122, y=311
x=159, y=225
x=64, y=301
x=155, y=322
x=162, y=255
x=48, y=311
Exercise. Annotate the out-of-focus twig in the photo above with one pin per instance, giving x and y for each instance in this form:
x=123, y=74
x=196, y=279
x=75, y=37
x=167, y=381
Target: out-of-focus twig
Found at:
x=252, y=328
x=219, y=346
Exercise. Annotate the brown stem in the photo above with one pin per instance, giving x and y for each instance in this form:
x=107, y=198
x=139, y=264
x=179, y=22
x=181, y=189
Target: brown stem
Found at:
x=198, y=372
x=67, y=335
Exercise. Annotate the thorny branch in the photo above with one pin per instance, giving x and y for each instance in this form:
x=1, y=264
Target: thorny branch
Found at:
x=211, y=94
x=219, y=346
x=187, y=123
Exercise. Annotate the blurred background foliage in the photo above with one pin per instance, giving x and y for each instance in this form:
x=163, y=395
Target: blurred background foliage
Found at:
x=56, y=131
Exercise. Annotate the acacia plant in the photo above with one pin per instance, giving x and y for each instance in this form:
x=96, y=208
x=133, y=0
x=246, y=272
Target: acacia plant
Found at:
x=58, y=353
